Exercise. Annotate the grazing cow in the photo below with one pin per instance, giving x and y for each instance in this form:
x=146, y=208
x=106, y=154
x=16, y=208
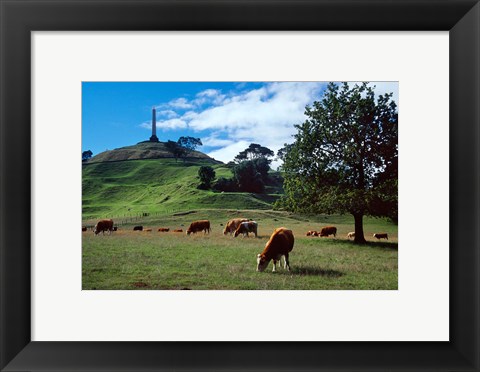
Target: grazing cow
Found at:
x=329, y=230
x=196, y=226
x=247, y=227
x=381, y=236
x=351, y=235
x=280, y=244
x=147, y=230
x=84, y=228
x=102, y=226
x=312, y=233
x=178, y=230
x=232, y=225
x=164, y=229
x=138, y=228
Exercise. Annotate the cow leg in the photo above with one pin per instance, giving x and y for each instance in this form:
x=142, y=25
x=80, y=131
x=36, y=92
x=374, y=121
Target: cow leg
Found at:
x=274, y=266
x=287, y=264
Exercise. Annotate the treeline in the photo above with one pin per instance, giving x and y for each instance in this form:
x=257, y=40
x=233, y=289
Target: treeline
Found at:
x=250, y=172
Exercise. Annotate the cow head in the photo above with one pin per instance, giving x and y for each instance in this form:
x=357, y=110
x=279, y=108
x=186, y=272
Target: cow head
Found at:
x=188, y=232
x=262, y=262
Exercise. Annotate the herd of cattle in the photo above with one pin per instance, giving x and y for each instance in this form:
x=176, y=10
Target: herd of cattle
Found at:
x=279, y=245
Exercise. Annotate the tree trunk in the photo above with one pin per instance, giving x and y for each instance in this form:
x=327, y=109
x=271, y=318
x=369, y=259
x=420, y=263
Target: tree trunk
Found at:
x=359, y=238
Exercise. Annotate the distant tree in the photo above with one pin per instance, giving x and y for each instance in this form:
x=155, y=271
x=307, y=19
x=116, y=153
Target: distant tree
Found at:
x=247, y=177
x=176, y=150
x=225, y=184
x=86, y=155
x=188, y=144
x=206, y=175
x=254, y=151
x=345, y=155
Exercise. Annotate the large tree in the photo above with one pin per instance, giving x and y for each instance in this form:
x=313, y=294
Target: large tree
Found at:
x=254, y=151
x=344, y=158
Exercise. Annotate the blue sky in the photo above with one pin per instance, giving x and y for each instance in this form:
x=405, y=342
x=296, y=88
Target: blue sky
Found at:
x=227, y=117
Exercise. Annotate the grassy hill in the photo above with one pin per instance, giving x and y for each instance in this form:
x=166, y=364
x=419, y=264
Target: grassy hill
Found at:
x=143, y=150
x=124, y=188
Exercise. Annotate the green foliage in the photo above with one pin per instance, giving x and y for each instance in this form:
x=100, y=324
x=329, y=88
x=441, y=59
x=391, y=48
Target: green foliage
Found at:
x=344, y=158
x=254, y=151
x=176, y=150
x=206, y=175
x=86, y=155
x=248, y=178
x=225, y=184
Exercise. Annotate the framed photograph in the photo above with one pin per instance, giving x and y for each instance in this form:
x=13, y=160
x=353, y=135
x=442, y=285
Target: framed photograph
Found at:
x=297, y=180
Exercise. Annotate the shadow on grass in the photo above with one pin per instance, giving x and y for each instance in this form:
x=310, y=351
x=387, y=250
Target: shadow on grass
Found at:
x=381, y=244
x=316, y=271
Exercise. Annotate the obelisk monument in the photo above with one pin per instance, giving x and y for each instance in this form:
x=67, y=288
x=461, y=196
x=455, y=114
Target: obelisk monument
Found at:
x=154, y=137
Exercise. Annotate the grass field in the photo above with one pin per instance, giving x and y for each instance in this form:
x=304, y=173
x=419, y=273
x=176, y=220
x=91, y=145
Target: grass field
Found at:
x=152, y=260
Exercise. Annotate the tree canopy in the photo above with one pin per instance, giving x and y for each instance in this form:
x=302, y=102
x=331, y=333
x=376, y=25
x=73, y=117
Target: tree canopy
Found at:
x=176, y=150
x=86, y=155
x=206, y=175
x=189, y=143
x=345, y=156
x=254, y=151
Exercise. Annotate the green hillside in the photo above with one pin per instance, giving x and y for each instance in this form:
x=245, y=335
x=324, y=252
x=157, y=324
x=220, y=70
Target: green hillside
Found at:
x=126, y=188
x=143, y=150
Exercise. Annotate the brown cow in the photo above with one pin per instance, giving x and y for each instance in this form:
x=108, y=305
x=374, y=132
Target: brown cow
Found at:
x=196, y=226
x=102, y=226
x=351, y=235
x=138, y=228
x=246, y=227
x=280, y=244
x=312, y=233
x=84, y=228
x=115, y=228
x=178, y=230
x=164, y=229
x=329, y=230
x=381, y=236
x=232, y=225
x=147, y=230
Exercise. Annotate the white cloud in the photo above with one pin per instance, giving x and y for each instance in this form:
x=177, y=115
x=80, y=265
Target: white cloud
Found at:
x=181, y=103
x=171, y=124
x=214, y=141
x=227, y=153
x=208, y=93
x=169, y=114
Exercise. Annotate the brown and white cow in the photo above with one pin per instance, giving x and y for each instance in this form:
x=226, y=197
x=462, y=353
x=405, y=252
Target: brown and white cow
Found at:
x=312, y=233
x=232, y=225
x=196, y=226
x=381, y=236
x=351, y=235
x=329, y=230
x=102, y=226
x=280, y=244
x=138, y=228
x=163, y=229
x=247, y=227
x=178, y=230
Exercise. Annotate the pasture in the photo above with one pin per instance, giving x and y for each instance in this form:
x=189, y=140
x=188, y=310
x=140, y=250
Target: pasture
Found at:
x=155, y=260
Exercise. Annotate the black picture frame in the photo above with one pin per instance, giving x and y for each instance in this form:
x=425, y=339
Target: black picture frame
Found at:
x=18, y=18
